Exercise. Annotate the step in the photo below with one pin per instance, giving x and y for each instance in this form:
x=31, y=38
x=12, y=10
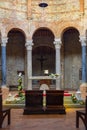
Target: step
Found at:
x=74, y=106
x=68, y=103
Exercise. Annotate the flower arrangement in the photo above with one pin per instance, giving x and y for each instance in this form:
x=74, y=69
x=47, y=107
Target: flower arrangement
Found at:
x=20, y=82
x=54, y=75
x=19, y=97
x=20, y=87
x=75, y=100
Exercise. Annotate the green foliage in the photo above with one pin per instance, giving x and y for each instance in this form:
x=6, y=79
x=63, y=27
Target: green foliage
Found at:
x=74, y=99
x=54, y=75
x=20, y=94
x=81, y=102
x=19, y=87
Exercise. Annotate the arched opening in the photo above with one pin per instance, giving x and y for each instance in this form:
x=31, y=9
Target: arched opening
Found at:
x=72, y=59
x=15, y=57
x=43, y=53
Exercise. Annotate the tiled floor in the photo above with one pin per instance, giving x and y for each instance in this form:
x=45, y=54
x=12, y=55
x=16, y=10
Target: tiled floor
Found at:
x=42, y=122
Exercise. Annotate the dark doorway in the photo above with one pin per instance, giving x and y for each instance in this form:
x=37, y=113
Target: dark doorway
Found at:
x=43, y=52
x=72, y=58
x=15, y=56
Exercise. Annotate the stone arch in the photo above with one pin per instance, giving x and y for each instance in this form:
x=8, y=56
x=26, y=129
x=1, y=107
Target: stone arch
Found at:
x=48, y=26
x=43, y=28
x=68, y=28
x=43, y=52
x=71, y=49
x=64, y=26
x=17, y=29
x=47, y=30
x=18, y=26
x=15, y=56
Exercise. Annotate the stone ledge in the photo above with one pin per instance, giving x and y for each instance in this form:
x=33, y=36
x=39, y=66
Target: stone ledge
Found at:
x=83, y=89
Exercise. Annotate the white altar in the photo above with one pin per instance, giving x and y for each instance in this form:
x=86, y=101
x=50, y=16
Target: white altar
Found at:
x=49, y=80
x=43, y=77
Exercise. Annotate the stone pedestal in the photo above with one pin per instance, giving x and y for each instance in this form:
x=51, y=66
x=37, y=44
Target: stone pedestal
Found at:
x=83, y=89
x=5, y=92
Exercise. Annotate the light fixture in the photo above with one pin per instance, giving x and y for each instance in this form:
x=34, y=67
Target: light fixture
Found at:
x=43, y=4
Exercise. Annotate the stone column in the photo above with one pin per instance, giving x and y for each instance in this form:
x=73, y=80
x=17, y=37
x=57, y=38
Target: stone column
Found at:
x=5, y=89
x=3, y=60
x=29, y=62
x=83, y=43
x=57, y=43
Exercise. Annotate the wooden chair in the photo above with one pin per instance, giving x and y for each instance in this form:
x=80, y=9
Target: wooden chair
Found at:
x=82, y=114
x=4, y=112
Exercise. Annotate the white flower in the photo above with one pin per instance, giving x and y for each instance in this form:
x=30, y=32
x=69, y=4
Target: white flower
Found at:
x=9, y=95
x=20, y=74
x=54, y=75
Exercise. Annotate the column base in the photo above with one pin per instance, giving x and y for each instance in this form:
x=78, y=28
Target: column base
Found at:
x=29, y=84
x=83, y=90
x=5, y=92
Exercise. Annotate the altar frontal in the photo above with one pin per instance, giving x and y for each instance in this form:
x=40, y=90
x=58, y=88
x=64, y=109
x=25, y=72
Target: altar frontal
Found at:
x=44, y=102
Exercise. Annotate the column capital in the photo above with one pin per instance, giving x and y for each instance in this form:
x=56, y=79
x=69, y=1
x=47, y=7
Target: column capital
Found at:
x=4, y=41
x=29, y=44
x=83, y=40
x=57, y=43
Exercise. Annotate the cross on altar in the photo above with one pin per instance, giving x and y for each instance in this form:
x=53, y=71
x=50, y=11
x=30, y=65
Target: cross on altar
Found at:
x=41, y=59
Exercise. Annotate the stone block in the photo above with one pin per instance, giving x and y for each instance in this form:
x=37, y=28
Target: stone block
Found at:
x=5, y=92
x=83, y=90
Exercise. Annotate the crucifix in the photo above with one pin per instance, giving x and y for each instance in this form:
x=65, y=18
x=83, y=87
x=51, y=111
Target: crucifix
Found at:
x=41, y=59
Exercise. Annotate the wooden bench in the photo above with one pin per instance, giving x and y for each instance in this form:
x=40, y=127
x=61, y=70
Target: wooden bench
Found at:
x=82, y=114
x=34, y=103
x=4, y=112
x=55, y=101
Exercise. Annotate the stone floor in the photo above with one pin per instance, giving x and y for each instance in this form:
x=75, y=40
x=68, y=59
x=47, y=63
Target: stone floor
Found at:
x=42, y=122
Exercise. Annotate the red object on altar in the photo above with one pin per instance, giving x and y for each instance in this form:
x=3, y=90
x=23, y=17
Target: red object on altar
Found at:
x=67, y=94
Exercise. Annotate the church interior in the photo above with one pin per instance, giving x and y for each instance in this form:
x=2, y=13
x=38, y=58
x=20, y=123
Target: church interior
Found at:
x=43, y=38
x=43, y=48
